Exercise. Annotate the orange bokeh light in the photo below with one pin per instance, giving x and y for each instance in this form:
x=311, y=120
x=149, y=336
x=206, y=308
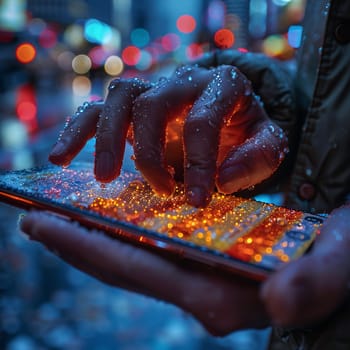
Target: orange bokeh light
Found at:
x=224, y=38
x=25, y=53
x=131, y=55
x=186, y=24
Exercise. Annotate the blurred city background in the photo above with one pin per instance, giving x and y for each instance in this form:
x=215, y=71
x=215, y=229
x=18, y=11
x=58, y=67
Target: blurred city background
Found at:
x=56, y=54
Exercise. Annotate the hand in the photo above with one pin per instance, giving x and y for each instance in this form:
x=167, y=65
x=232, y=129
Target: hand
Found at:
x=303, y=293
x=221, y=302
x=307, y=291
x=207, y=125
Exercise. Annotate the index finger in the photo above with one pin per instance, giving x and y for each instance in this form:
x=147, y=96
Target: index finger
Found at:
x=113, y=125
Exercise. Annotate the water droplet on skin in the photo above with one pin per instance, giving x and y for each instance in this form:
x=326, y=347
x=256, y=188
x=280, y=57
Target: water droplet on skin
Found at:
x=162, y=80
x=308, y=172
x=113, y=84
x=189, y=78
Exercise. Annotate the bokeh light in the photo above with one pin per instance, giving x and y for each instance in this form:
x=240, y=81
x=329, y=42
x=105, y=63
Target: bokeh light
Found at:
x=74, y=35
x=224, y=38
x=96, y=31
x=295, y=33
x=281, y=2
x=64, y=60
x=81, y=64
x=186, y=24
x=98, y=56
x=36, y=26
x=194, y=51
x=277, y=46
x=113, y=65
x=48, y=38
x=81, y=86
x=131, y=55
x=25, y=52
x=26, y=107
x=145, y=61
x=170, y=42
x=140, y=37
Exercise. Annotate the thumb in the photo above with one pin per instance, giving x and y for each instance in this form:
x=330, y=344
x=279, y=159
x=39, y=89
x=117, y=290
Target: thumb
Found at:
x=308, y=290
x=254, y=160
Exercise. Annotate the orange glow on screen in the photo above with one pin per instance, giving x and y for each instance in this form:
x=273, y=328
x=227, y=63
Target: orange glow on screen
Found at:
x=131, y=55
x=186, y=24
x=25, y=53
x=224, y=38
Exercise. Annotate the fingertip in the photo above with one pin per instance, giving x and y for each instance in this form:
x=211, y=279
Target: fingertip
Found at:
x=159, y=178
x=106, y=167
x=198, y=197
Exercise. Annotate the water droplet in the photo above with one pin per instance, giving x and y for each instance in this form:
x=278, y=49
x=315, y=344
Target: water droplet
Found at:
x=162, y=80
x=308, y=172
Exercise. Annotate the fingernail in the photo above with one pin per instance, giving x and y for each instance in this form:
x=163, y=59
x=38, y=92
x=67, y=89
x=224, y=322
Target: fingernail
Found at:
x=197, y=197
x=105, y=169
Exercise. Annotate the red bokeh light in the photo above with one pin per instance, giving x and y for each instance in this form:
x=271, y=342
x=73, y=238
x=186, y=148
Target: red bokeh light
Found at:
x=170, y=42
x=186, y=24
x=26, y=107
x=131, y=55
x=224, y=38
x=48, y=38
x=194, y=51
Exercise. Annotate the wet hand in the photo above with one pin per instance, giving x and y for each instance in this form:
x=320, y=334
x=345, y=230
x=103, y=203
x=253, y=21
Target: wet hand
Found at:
x=304, y=293
x=309, y=290
x=203, y=125
x=221, y=302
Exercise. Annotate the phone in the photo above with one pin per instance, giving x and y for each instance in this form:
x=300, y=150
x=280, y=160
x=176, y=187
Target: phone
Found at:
x=236, y=234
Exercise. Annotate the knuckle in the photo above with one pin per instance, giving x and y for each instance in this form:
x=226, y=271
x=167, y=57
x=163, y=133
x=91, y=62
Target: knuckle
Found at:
x=135, y=86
